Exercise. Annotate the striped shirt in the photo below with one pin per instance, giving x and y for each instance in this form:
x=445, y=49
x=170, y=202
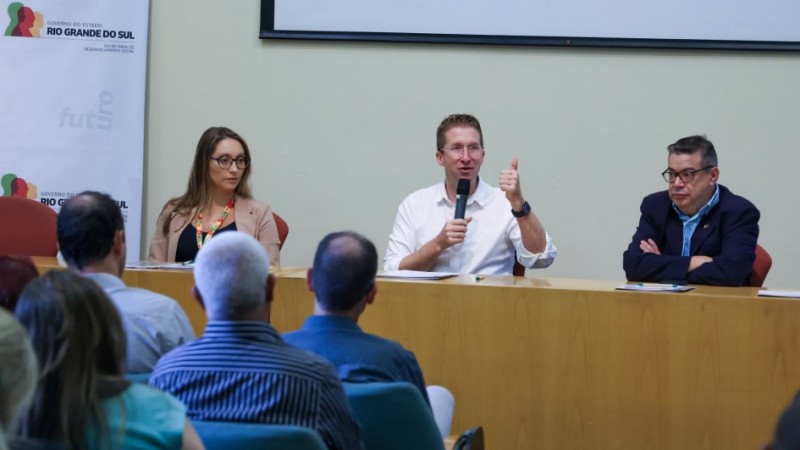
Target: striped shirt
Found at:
x=244, y=372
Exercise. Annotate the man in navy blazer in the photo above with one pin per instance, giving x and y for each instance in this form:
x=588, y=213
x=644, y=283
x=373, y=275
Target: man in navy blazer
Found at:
x=697, y=231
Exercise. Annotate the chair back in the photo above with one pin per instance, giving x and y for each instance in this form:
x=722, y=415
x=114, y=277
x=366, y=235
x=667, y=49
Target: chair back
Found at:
x=761, y=267
x=27, y=228
x=257, y=436
x=283, y=229
x=393, y=416
x=518, y=270
x=472, y=439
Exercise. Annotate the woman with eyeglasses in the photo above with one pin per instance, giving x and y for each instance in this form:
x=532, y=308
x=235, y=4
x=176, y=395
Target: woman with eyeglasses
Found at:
x=82, y=401
x=217, y=199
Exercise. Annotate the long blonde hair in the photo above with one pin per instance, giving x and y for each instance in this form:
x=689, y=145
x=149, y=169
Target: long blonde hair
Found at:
x=79, y=340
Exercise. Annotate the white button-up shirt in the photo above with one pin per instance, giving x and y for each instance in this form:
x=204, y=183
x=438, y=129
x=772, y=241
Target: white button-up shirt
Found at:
x=492, y=238
x=154, y=323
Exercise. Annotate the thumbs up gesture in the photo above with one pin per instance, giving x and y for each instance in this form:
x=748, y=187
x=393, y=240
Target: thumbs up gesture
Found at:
x=509, y=183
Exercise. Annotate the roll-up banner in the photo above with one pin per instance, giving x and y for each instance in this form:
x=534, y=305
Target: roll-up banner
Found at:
x=72, y=77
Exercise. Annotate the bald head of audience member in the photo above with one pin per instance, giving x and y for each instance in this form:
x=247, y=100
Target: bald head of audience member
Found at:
x=232, y=279
x=343, y=275
x=91, y=233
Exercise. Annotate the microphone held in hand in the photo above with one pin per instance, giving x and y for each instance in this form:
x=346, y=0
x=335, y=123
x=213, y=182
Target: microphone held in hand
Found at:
x=462, y=192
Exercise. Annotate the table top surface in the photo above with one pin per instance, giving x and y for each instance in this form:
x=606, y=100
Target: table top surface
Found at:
x=574, y=284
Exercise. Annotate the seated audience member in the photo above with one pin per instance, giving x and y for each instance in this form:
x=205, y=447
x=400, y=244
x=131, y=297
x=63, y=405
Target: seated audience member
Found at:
x=82, y=399
x=697, y=231
x=343, y=283
x=91, y=237
x=498, y=224
x=217, y=199
x=241, y=370
x=15, y=273
x=787, y=431
x=18, y=374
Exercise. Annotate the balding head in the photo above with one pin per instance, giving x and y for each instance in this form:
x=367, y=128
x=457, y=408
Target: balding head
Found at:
x=230, y=274
x=344, y=271
x=88, y=225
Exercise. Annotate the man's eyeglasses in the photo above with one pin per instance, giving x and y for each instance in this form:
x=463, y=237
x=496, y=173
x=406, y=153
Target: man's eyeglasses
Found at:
x=225, y=161
x=686, y=175
x=473, y=150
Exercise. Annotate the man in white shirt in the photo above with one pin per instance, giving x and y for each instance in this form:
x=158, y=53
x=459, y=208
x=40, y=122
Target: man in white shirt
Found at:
x=498, y=222
x=91, y=238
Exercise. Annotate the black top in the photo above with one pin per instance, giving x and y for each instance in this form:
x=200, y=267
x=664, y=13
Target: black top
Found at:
x=187, y=242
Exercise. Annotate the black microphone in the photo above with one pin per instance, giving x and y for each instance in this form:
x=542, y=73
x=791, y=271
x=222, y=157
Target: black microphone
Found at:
x=462, y=192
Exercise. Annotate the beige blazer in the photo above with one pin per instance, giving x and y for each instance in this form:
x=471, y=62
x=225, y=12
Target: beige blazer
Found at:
x=251, y=217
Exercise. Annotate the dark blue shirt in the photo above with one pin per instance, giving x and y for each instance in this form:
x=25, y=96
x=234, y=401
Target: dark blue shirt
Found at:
x=358, y=357
x=245, y=372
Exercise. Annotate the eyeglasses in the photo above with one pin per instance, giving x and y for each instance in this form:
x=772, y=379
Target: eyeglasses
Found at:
x=686, y=176
x=473, y=150
x=225, y=161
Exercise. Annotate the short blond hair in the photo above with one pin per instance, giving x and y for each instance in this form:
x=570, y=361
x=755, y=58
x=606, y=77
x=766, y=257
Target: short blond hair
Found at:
x=455, y=121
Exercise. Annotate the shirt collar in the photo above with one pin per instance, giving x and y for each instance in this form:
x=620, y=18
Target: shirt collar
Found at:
x=703, y=211
x=249, y=329
x=105, y=280
x=480, y=196
x=330, y=323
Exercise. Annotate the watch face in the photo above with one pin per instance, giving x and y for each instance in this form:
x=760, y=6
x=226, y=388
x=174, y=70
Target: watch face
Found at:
x=526, y=209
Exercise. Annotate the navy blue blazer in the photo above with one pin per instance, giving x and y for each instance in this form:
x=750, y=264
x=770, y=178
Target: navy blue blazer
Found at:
x=728, y=234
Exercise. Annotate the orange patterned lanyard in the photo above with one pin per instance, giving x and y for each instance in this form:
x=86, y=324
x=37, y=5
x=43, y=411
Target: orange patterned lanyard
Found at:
x=215, y=225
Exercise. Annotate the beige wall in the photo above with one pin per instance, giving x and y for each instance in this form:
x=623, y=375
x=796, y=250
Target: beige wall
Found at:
x=341, y=132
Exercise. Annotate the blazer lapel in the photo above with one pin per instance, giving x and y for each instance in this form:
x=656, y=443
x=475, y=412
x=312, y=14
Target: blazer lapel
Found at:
x=670, y=241
x=704, y=229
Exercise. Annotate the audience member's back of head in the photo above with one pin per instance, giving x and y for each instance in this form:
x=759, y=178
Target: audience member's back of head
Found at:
x=344, y=270
x=15, y=273
x=787, y=432
x=87, y=224
x=79, y=341
x=18, y=372
x=230, y=273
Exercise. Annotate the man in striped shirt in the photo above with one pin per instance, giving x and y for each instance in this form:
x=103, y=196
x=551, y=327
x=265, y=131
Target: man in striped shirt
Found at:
x=240, y=369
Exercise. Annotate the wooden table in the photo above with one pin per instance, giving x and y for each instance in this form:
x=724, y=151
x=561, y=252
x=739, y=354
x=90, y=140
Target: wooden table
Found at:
x=574, y=364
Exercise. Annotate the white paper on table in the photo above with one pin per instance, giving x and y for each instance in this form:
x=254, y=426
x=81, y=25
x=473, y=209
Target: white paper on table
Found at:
x=789, y=294
x=416, y=275
x=167, y=266
x=655, y=287
x=141, y=265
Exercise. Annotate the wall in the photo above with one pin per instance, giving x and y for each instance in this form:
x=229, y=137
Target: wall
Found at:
x=341, y=132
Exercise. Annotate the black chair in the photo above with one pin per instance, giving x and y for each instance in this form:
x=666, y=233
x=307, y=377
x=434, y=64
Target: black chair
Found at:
x=472, y=439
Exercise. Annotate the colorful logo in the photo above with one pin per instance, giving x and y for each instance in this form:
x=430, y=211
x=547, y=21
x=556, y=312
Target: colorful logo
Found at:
x=24, y=21
x=14, y=186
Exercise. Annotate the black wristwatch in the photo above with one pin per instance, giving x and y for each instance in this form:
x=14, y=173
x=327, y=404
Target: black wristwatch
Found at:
x=526, y=209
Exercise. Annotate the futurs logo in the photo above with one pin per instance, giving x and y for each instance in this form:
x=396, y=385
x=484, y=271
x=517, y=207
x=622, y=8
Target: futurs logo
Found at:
x=14, y=186
x=23, y=21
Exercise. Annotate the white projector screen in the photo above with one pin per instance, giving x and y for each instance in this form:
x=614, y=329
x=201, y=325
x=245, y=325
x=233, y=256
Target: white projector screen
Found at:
x=724, y=24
